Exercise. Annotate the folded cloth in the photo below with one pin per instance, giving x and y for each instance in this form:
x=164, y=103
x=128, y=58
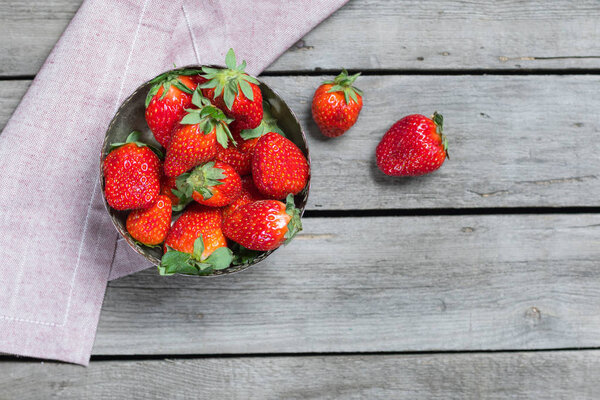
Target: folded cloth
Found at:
x=57, y=244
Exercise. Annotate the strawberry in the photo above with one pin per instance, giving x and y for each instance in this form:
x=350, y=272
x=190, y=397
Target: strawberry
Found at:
x=278, y=166
x=131, y=175
x=167, y=100
x=263, y=225
x=213, y=184
x=234, y=91
x=202, y=132
x=336, y=105
x=248, y=194
x=240, y=156
x=414, y=145
x=195, y=244
x=167, y=184
x=150, y=225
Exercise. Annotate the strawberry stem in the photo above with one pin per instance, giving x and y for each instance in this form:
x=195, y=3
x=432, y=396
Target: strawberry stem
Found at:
x=295, y=224
x=438, y=120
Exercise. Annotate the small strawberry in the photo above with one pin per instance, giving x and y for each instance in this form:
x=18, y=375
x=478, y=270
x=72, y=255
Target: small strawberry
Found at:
x=202, y=132
x=263, y=225
x=150, y=225
x=213, y=184
x=415, y=145
x=131, y=175
x=167, y=185
x=249, y=194
x=278, y=166
x=336, y=105
x=167, y=100
x=234, y=91
x=195, y=244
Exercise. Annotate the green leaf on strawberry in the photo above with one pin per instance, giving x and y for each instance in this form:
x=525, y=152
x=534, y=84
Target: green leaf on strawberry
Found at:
x=268, y=124
x=343, y=83
x=134, y=137
x=177, y=262
x=166, y=80
x=295, y=224
x=244, y=256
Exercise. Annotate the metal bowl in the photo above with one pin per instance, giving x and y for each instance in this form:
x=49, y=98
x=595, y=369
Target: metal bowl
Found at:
x=130, y=116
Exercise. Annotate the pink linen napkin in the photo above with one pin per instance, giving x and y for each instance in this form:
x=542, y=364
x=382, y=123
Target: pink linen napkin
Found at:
x=58, y=244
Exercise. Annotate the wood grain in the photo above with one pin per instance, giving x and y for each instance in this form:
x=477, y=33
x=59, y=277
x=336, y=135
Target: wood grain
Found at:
x=376, y=34
x=378, y=284
x=515, y=141
x=547, y=375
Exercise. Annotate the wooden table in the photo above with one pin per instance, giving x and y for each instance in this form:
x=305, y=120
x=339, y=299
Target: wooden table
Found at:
x=481, y=280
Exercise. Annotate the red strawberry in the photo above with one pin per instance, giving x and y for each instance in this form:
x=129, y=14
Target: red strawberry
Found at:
x=249, y=194
x=239, y=157
x=202, y=132
x=336, y=105
x=213, y=184
x=263, y=225
x=415, y=145
x=235, y=92
x=167, y=100
x=131, y=175
x=278, y=166
x=167, y=184
x=195, y=244
x=149, y=226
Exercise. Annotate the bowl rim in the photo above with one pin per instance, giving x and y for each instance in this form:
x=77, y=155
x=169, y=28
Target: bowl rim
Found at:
x=123, y=231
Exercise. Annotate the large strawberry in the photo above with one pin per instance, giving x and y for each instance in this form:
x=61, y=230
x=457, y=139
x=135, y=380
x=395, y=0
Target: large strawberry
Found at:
x=167, y=100
x=336, y=105
x=131, y=174
x=415, y=145
x=213, y=184
x=278, y=166
x=150, y=225
x=248, y=194
x=234, y=91
x=202, y=132
x=195, y=244
x=263, y=225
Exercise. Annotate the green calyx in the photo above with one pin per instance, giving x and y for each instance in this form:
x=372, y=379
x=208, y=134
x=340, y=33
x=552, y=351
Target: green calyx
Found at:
x=166, y=80
x=208, y=117
x=295, y=224
x=202, y=179
x=438, y=120
x=230, y=80
x=268, y=124
x=177, y=262
x=343, y=83
x=134, y=137
x=244, y=256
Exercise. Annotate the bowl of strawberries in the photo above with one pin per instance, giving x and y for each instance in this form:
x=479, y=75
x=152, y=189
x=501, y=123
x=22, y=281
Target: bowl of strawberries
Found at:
x=205, y=170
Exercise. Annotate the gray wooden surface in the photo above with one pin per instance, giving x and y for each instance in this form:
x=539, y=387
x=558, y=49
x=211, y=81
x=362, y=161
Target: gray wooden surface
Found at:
x=544, y=375
x=498, y=250
x=515, y=141
x=377, y=34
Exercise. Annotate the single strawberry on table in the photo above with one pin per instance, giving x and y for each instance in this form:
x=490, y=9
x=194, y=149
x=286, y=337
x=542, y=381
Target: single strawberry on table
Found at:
x=248, y=194
x=213, y=184
x=263, y=225
x=414, y=145
x=167, y=100
x=195, y=244
x=234, y=91
x=150, y=225
x=336, y=105
x=131, y=174
x=200, y=135
x=278, y=166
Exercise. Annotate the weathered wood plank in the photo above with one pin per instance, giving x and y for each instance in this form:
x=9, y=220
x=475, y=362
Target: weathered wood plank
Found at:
x=547, y=375
x=376, y=34
x=378, y=284
x=515, y=141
